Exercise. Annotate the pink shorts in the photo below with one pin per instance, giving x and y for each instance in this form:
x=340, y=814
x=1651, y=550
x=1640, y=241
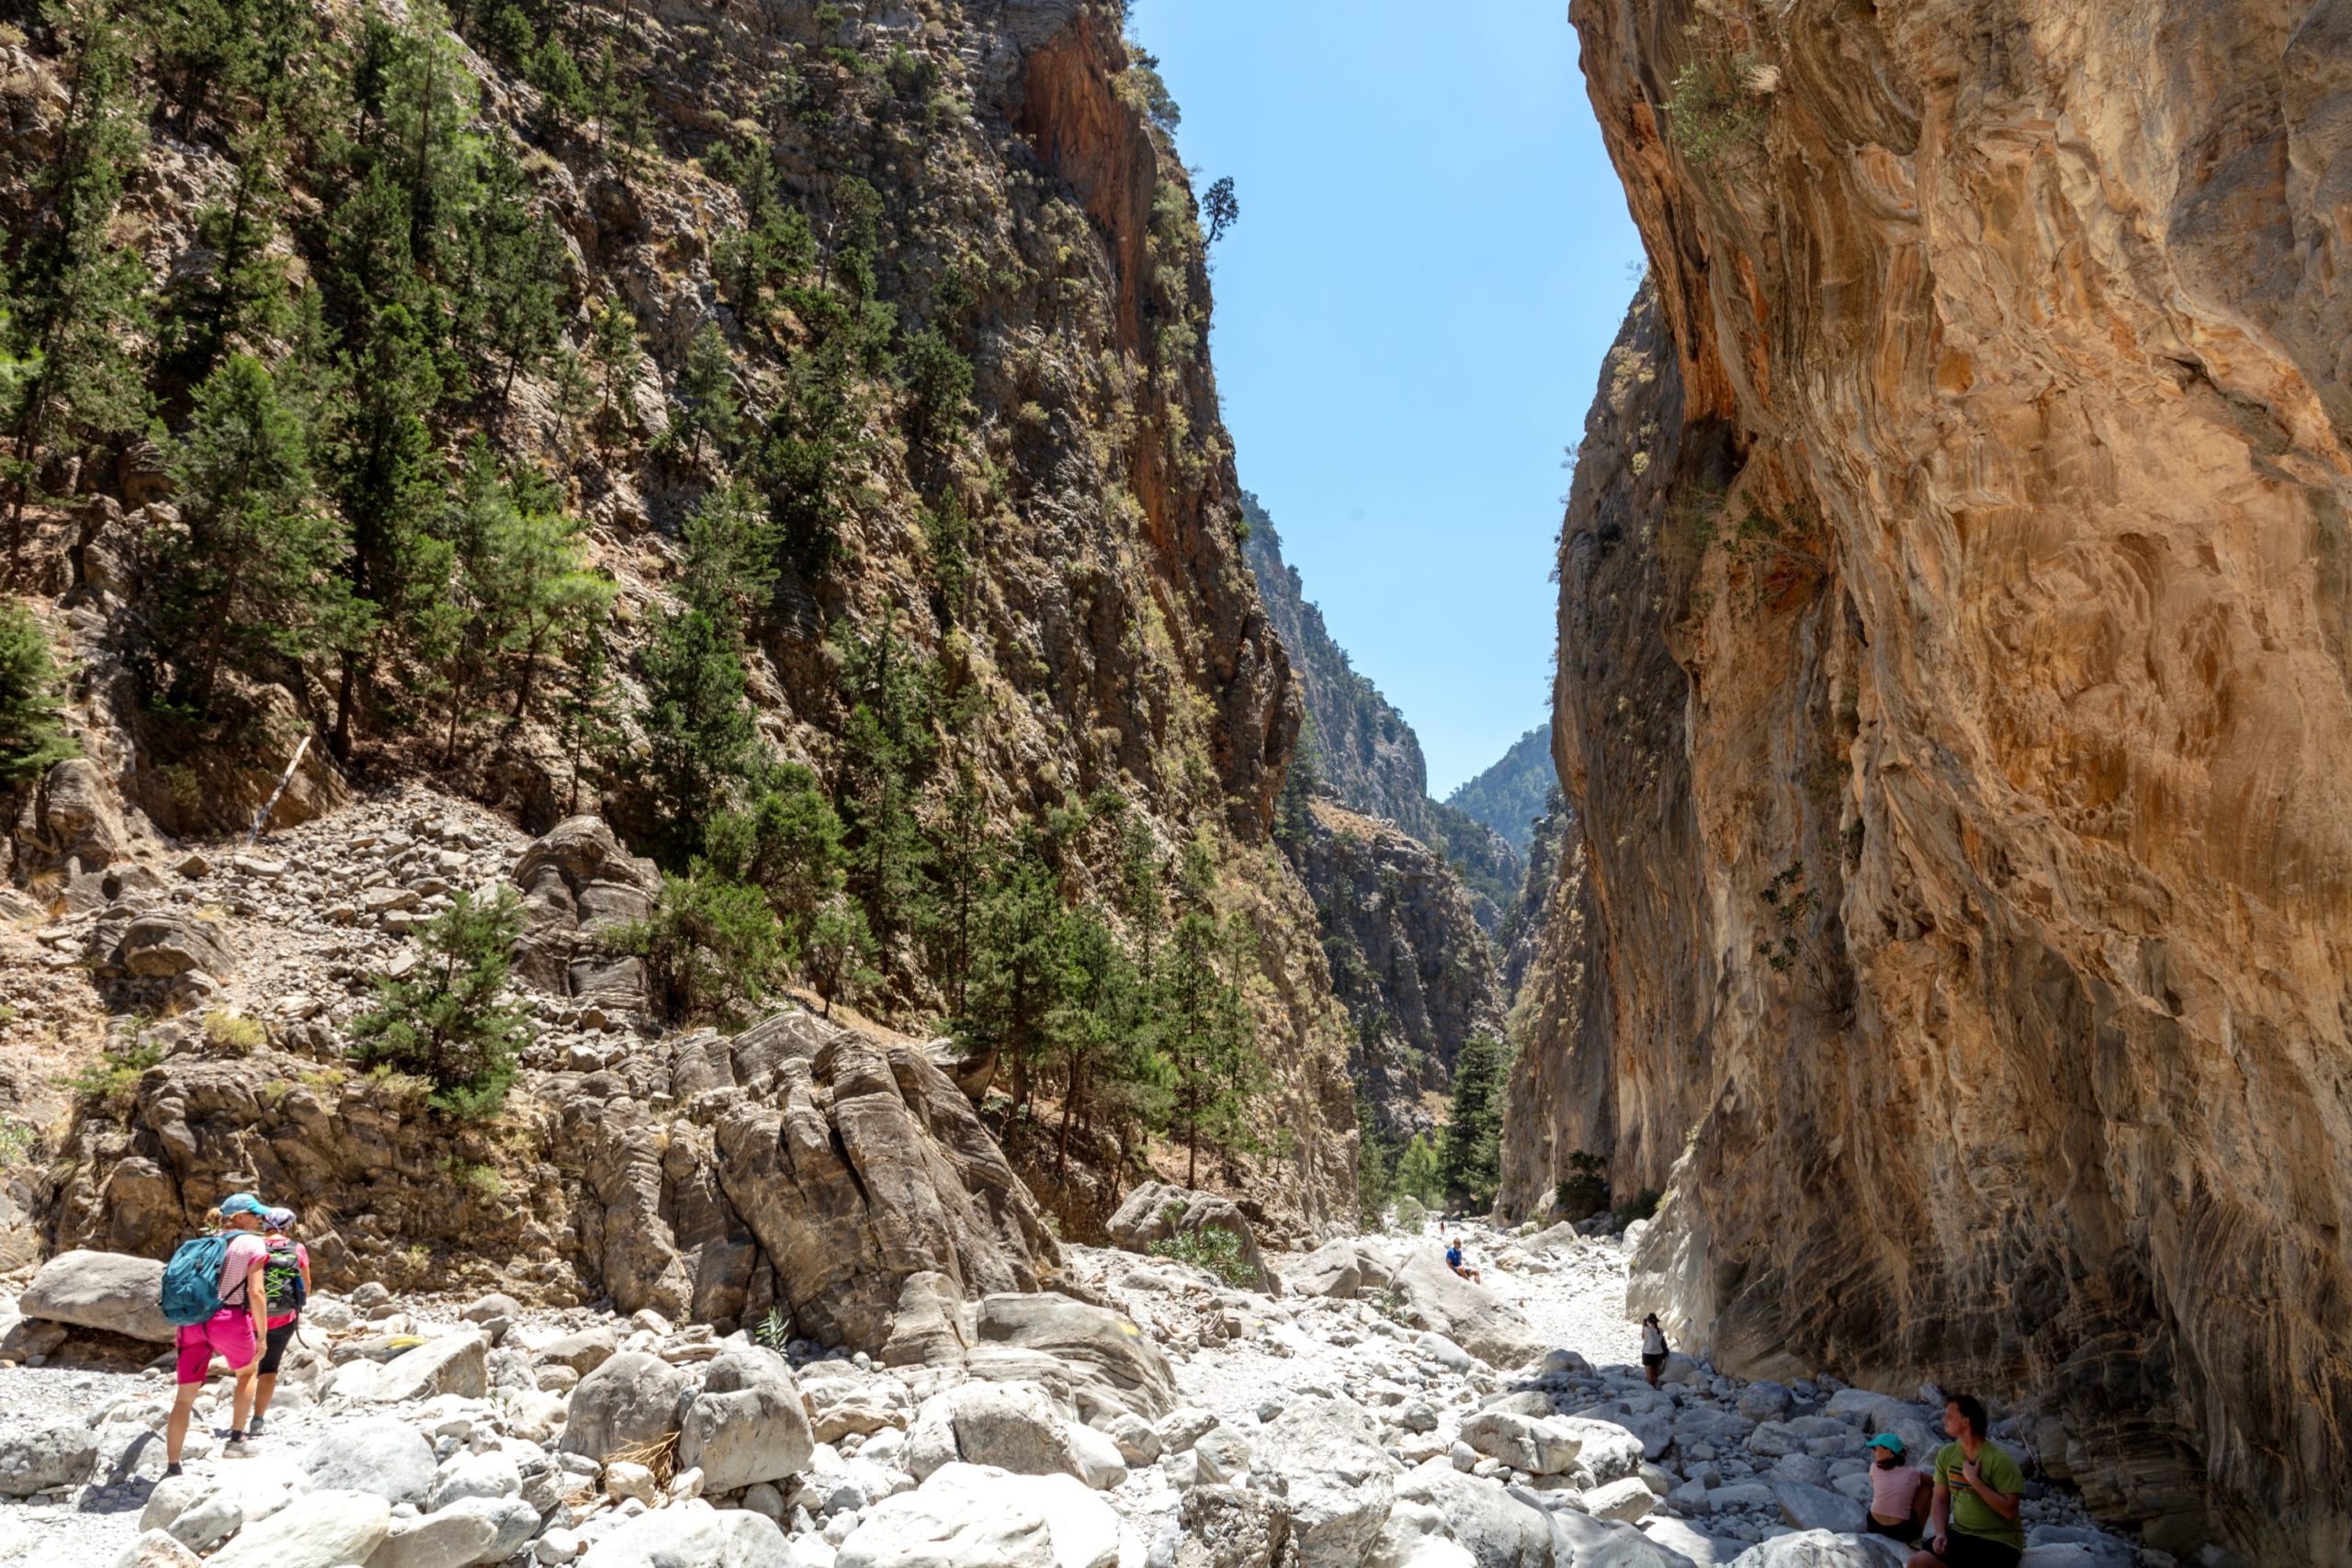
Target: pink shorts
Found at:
x=228, y=1331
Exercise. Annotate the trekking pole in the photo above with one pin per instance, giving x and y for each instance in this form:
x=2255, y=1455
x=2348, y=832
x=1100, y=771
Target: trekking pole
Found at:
x=271, y=804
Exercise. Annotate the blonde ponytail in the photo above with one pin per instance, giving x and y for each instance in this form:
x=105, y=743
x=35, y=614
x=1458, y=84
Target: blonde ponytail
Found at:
x=214, y=1220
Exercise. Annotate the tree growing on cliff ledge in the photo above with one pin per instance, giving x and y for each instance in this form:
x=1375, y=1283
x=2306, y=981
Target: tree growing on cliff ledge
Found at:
x=449, y=1022
x=1221, y=207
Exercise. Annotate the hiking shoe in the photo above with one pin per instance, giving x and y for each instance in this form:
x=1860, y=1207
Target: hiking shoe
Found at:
x=252, y=1427
x=170, y=1471
x=233, y=1446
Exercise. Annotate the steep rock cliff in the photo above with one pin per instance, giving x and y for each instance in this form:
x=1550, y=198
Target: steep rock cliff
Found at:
x=1057, y=541
x=1408, y=959
x=1953, y=687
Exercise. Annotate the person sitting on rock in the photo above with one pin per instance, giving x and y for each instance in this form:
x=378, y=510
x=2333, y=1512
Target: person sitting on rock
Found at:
x=1653, y=1349
x=1979, y=1488
x=235, y=1332
x=1899, y=1491
x=288, y=1276
x=1453, y=1261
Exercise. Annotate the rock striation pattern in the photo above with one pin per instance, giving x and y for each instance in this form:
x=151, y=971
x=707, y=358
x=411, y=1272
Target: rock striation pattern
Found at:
x=1954, y=678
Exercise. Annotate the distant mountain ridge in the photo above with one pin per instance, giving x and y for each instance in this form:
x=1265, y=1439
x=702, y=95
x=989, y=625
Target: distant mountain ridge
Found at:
x=1511, y=795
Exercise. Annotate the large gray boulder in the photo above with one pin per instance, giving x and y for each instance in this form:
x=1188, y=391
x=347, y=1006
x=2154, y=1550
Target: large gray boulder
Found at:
x=437, y=1541
x=1539, y=1444
x=1437, y=1299
x=629, y=1402
x=110, y=1291
x=323, y=1529
x=455, y=1363
x=34, y=1458
x=1816, y=1509
x=1344, y=1268
x=379, y=1455
x=163, y=944
x=1107, y=1363
x=1322, y=1457
x=748, y=1424
x=1497, y=1529
x=694, y=1538
x=1157, y=1212
x=1014, y=1426
x=573, y=880
x=1823, y=1548
x=966, y=1516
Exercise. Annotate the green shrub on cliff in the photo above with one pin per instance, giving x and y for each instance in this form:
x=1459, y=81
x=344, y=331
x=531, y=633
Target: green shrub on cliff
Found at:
x=449, y=1022
x=31, y=737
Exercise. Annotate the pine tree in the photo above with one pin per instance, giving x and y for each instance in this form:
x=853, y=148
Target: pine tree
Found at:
x=888, y=745
x=518, y=581
x=711, y=947
x=707, y=408
x=1018, y=962
x=251, y=578
x=613, y=345
x=32, y=737
x=515, y=313
x=587, y=705
x=449, y=1022
x=1203, y=1031
x=1469, y=1165
x=701, y=736
x=1095, y=1013
x=390, y=491
x=244, y=301
x=787, y=841
x=841, y=954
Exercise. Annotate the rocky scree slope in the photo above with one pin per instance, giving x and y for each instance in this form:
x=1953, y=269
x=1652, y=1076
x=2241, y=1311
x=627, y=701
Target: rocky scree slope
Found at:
x=1051, y=543
x=1367, y=1410
x=1953, y=678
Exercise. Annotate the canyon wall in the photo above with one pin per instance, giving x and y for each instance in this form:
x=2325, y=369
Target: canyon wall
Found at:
x=1952, y=698
x=921, y=287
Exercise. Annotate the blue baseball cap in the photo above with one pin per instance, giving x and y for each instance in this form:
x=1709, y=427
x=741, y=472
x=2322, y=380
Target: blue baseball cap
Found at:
x=242, y=1203
x=1888, y=1441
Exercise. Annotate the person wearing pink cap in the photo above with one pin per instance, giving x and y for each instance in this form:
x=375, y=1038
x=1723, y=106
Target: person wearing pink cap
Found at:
x=235, y=1332
x=288, y=1276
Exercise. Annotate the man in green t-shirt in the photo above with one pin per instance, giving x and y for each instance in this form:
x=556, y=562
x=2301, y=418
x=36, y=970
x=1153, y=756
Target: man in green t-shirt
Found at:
x=1974, y=1521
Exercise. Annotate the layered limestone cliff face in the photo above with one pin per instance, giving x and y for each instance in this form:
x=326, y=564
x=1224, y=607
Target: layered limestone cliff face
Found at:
x=1408, y=959
x=1953, y=697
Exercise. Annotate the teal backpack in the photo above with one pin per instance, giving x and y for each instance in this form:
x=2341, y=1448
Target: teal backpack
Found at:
x=192, y=1279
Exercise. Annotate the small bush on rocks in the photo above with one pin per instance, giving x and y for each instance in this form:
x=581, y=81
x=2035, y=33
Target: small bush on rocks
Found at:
x=449, y=1022
x=1217, y=1251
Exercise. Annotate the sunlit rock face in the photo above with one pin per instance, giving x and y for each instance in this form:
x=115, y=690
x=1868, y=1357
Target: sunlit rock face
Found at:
x=1960, y=717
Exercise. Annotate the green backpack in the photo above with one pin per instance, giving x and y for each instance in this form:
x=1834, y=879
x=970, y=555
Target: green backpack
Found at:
x=283, y=1276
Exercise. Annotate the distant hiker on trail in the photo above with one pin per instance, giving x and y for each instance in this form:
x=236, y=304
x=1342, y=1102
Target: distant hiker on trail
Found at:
x=1653, y=1349
x=1973, y=1522
x=1899, y=1491
x=215, y=1288
x=1453, y=1261
x=288, y=1276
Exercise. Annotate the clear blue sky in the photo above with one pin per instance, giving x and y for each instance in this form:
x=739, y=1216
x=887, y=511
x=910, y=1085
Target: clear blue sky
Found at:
x=1410, y=318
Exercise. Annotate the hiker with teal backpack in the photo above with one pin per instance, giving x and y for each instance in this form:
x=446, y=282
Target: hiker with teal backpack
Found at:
x=288, y=1277
x=215, y=1290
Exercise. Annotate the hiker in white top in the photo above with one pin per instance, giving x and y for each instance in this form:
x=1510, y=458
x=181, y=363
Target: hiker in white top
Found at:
x=1653, y=1349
